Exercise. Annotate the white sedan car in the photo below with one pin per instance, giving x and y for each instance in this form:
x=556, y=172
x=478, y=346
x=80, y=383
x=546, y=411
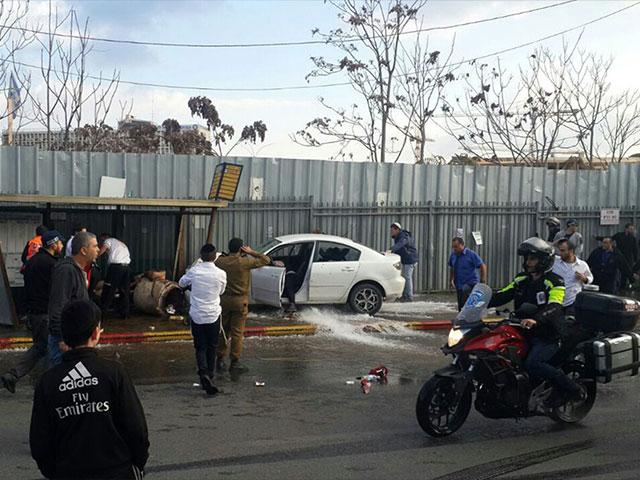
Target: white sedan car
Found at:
x=323, y=269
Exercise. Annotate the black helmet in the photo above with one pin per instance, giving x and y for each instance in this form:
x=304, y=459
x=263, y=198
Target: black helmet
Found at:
x=541, y=249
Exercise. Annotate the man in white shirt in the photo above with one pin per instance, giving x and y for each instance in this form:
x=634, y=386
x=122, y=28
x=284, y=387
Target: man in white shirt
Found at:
x=574, y=272
x=207, y=283
x=118, y=273
x=76, y=229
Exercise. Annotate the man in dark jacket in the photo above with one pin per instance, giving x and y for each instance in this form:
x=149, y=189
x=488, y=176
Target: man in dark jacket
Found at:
x=87, y=420
x=70, y=280
x=37, y=285
x=608, y=267
x=539, y=286
x=627, y=245
x=405, y=246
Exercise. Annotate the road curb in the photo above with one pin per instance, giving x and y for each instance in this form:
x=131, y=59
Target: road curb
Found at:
x=168, y=336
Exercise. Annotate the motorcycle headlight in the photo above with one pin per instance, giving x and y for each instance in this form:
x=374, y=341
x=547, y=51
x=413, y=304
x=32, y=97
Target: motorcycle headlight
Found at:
x=455, y=335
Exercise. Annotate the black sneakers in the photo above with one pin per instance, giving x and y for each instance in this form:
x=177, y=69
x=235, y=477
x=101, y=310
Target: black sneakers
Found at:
x=208, y=386
x=9, y=382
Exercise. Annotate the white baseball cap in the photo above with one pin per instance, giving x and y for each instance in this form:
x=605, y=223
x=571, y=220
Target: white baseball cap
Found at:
x=397, y=225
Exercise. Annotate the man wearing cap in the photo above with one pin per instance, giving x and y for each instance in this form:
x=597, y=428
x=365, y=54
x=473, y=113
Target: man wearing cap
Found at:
x=70, y=283
x=87, y=420
x=553, y=224
x=405, y=246
x=571, y=233
x=37, y=286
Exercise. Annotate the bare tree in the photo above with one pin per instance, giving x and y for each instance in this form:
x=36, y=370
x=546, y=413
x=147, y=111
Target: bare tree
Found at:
x=589, y=100
x=620, y=129
x=68, y=88
x=13, y=38
x=371, y=46
x=521, y=116
x=423, y=76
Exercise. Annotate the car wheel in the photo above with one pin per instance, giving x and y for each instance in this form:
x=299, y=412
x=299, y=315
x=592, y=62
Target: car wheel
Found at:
x=366, y=298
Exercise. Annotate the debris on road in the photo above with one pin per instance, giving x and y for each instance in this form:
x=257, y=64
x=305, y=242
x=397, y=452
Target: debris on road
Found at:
x=260, y=384
x=377, y=374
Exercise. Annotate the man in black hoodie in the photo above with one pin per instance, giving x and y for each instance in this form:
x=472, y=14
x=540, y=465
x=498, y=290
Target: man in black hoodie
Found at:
x=70, y=280
x=37, y=286
x=87, y=420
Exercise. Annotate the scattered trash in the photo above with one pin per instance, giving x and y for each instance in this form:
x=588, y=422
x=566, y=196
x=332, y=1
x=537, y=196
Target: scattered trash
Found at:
x=152, y=327
x=350, y=382
x=177, y=318
x=196, y=385
x=365, y=384
x=170, y=309
x=260, y=384
x=377, y=374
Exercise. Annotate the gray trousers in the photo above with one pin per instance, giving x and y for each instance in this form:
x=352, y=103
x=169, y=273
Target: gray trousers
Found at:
x=40, y=335
x=407, y=274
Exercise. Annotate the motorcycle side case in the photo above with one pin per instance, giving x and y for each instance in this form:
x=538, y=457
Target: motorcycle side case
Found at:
x=606, y=313
x=616, y=355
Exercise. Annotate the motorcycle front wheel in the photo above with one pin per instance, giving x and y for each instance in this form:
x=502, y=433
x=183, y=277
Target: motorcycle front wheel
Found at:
x=439, y=409
x=573, y=412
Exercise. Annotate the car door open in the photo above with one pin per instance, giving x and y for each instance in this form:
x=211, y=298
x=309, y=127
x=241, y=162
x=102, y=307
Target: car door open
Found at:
x=267, y=285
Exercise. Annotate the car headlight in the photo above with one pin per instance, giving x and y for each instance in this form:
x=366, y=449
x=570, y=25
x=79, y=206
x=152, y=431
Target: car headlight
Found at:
x=455, y=335
x=398, y=266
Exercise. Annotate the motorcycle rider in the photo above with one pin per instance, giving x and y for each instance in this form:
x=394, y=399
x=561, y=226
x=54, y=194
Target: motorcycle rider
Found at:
x=539, y=286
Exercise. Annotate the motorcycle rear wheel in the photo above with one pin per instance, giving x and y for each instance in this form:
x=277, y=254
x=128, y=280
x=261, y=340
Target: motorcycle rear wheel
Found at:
x=439, y=412
x=573, y=412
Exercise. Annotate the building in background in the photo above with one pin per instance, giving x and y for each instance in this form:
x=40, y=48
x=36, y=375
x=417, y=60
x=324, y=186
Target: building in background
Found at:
x=38, y=138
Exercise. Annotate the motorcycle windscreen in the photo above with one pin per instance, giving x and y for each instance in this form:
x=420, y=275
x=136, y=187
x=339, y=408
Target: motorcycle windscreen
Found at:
x=475, y=308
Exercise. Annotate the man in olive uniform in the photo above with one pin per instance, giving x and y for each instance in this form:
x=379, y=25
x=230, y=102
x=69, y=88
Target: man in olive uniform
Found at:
x=235, y=300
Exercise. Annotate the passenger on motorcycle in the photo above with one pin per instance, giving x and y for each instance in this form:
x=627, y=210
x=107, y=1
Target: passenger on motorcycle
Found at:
x=539, y=286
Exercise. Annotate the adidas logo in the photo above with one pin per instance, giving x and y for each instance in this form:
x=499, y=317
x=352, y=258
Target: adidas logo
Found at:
x=77, y=377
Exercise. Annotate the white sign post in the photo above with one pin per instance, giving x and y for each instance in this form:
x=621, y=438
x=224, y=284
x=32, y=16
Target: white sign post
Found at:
x=610, y=216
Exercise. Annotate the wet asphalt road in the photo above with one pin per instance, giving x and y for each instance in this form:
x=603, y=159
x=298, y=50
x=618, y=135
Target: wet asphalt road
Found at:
x=307, y=423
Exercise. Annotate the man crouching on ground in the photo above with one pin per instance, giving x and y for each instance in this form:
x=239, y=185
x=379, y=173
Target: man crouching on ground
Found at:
x=87, y=420
x=207, y=283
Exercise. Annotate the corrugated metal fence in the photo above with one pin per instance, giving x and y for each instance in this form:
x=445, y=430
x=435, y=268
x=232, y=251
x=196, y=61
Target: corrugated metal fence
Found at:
x=502, y=226
x=26, y=170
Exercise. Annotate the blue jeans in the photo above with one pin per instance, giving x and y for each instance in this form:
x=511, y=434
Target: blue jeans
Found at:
x=407, y=274
x=538, y=366
x=55, y=354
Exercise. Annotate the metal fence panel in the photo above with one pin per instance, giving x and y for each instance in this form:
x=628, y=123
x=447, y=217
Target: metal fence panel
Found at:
x=27, y=170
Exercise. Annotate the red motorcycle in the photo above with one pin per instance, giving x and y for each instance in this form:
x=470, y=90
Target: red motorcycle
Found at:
x=488, y=362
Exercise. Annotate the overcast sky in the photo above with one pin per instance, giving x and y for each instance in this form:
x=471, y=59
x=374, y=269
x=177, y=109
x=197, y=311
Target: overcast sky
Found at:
x=237, y=21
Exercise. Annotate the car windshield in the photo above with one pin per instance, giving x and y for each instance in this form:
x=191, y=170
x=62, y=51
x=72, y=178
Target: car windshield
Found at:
x=265, y=247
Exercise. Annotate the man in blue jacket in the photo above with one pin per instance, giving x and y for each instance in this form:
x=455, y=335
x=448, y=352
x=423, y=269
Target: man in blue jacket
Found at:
x=405, y=246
